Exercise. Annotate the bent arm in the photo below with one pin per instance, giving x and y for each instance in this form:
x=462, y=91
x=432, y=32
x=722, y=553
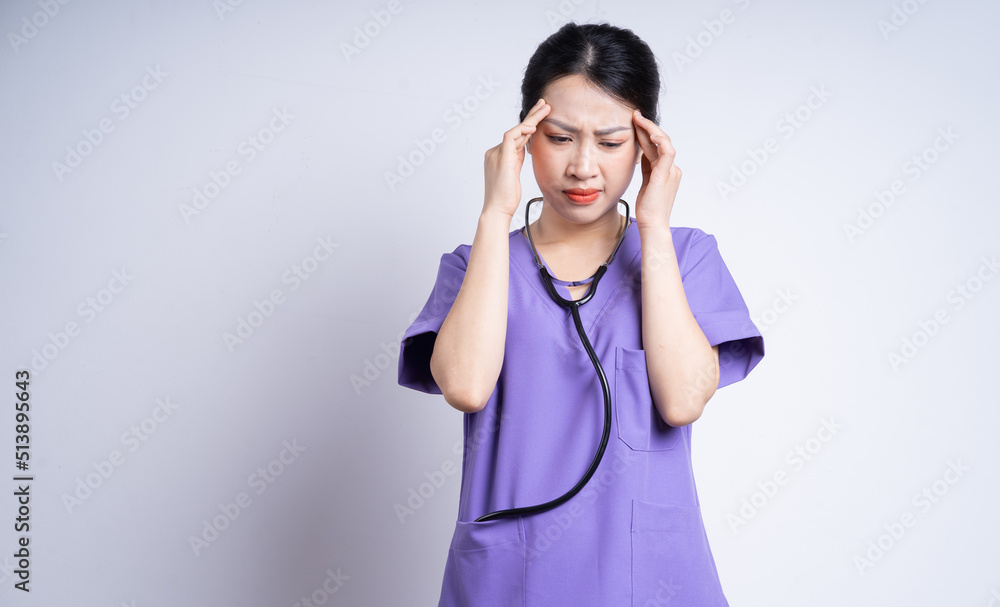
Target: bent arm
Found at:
x=683, y=368
x=468, y=352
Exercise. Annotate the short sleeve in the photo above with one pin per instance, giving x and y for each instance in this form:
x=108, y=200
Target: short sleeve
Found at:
x=718, y=306
x=415, y=349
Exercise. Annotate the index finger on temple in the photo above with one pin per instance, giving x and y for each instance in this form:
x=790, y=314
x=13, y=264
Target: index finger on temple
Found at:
x=537, y=113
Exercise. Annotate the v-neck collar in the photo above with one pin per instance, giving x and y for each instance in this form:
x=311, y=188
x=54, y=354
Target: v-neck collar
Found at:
x=627, y=254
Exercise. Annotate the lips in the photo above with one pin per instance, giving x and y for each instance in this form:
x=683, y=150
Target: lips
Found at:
x=582, y=195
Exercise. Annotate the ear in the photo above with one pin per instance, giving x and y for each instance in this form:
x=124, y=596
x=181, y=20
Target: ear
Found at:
x=527, y=144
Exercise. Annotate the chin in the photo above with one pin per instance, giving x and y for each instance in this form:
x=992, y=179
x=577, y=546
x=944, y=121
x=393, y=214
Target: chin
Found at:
x=584, y=213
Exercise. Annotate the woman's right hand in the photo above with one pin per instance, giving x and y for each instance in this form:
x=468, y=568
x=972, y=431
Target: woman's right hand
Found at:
x=504, y=161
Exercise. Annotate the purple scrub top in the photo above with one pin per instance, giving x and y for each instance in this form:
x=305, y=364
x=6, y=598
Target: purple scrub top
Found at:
x=634, y=534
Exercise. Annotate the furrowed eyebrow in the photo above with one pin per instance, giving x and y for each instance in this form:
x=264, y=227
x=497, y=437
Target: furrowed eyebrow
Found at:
x=599, y=133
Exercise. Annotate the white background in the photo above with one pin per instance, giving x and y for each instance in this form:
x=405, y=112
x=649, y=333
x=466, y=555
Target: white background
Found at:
x=832, y=308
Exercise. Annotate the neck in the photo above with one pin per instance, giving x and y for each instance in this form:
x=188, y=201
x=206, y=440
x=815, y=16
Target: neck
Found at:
x=551, y=229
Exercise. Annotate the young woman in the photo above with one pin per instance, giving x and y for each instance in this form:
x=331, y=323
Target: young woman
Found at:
x=577, y=485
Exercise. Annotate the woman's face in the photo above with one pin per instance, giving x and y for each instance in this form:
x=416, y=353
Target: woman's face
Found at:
x=584, y=152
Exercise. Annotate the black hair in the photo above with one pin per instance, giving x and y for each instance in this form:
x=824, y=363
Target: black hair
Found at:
x=614, y=59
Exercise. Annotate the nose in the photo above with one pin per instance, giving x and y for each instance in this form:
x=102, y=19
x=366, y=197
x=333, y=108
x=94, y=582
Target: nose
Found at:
x=582, y=164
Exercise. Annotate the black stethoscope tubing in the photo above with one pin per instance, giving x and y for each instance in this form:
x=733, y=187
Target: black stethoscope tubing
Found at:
x=574, y=307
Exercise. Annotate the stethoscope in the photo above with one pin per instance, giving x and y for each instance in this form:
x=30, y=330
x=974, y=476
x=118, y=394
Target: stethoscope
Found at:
x=574, y=307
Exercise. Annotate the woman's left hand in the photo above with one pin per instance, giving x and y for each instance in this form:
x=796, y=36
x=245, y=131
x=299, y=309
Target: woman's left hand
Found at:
x=660, y=176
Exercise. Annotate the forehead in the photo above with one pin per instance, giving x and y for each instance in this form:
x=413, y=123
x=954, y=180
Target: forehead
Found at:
x=579, y=102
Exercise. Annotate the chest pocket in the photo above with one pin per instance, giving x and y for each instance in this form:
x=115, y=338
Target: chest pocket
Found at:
x=639, y=423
